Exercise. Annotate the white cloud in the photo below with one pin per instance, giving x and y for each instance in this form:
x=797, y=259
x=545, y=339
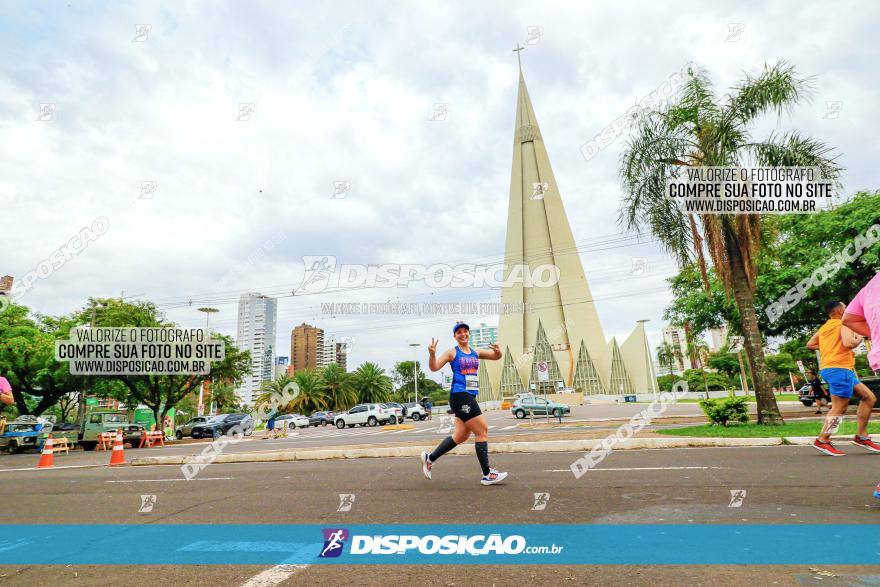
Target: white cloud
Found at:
x=344, y=92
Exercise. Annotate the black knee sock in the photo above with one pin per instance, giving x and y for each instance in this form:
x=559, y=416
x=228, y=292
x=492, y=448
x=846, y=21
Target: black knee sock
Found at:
x=483, y=455
x=446, y=445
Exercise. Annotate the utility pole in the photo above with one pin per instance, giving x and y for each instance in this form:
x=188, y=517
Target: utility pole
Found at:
x=207, y=312
x=81, y=404
x=415, y=345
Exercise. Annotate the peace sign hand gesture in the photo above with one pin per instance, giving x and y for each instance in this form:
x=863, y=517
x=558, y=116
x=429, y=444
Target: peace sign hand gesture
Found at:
x=432, y=348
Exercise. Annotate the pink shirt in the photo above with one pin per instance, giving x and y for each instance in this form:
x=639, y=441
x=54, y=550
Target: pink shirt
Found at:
x=866, y=304
x=4, y=385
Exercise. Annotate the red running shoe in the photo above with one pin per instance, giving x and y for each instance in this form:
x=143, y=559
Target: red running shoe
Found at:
x=827, y=448
x=866, y=443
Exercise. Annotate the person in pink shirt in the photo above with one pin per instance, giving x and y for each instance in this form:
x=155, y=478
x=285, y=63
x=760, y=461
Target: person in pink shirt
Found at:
x=5, y=391
x=863, y=317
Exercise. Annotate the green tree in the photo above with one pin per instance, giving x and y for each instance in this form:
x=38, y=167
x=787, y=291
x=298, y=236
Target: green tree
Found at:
x=725, y=362
x=795, y=246
x=338, y=387
x=27, y=360
x=780, y=365
x=160, y=393
x=224, y=397
x=312, y=396
x=799, y=244
x=402, y=376
x=371, y=384
x=669, y=356
x=698, y=130
x=698, y=379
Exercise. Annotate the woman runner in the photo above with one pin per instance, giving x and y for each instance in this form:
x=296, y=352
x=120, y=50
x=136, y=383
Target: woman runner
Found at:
x=465, y=364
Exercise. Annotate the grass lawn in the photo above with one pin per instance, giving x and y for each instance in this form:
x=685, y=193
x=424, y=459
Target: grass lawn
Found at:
x=761, y=431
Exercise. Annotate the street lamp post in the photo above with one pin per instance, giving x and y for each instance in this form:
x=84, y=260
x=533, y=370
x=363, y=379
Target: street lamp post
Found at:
x=415, y=345
x=207, y=312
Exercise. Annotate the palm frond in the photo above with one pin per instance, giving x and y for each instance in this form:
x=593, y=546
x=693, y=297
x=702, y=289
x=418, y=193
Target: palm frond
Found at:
x=793, y=149
x=777, y=87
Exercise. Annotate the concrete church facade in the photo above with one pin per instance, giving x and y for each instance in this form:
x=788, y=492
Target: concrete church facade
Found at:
x=560, y=343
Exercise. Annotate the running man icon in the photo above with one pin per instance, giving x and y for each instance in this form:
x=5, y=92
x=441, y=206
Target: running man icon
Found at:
x=334, y=541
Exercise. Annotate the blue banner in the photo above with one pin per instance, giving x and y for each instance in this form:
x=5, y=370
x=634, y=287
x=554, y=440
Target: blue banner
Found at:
x=516, y=544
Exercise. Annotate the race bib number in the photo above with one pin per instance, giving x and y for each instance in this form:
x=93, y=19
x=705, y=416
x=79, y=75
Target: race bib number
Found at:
x=471, y=382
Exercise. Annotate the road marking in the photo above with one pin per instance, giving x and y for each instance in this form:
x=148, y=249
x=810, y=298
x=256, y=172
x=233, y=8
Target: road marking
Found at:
x=173, y=479
x=509, y=427
x=273, y=576
x=634, y=469
x=54, y=468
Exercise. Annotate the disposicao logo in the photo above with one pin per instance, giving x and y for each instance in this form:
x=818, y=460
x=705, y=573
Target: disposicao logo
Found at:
x=334, y=542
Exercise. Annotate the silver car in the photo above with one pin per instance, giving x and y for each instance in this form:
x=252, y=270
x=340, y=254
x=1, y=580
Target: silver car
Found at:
x=186, y=429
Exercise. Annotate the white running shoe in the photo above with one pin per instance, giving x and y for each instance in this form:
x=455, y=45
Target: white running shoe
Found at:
x=493, y=477
x=426, y=464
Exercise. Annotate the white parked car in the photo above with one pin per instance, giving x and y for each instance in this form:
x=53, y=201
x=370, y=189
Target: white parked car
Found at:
x=288, y=421
x=365, y=415
x=416, y=411
x=396, y=413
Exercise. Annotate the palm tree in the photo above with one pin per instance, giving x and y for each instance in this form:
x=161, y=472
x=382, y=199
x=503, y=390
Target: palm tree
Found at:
x=337, y=386
x=698, y=351
x=697, y=130
x=669, y=355
x=270, y=390
x=371, y=384
x=312, y=396
x=224, y=397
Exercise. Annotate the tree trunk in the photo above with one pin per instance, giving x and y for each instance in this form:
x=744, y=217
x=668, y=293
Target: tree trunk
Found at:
x=768, y=411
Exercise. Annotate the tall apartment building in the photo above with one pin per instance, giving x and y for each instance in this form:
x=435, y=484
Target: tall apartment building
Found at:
x=718, y=338
x=329, y=354
x=306, y=347
x=281, y=365
x=483, y=336
x=676, y=338
x=342, y=355
x=257, y=315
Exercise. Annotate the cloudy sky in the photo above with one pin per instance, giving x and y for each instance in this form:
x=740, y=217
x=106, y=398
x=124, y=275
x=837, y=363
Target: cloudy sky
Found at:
x=144, y=125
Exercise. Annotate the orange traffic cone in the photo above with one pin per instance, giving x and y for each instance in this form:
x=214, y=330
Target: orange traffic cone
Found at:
x=117, y=456
x=46, y=458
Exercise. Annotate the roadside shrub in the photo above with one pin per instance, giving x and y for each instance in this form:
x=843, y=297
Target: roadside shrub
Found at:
x=729, y=409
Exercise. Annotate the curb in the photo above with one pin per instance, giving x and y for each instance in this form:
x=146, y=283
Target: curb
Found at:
x=415, y=451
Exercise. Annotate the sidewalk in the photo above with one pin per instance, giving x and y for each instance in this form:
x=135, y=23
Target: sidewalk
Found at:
x=496, y=447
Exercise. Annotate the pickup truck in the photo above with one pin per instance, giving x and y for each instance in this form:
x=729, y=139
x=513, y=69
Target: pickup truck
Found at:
x=20, y=434
x=98, y=422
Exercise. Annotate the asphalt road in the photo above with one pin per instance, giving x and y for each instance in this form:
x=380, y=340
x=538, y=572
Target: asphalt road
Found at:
x=783, y=485
x=583, y=418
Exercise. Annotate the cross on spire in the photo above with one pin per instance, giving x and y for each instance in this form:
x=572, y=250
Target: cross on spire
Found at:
x=517, y=51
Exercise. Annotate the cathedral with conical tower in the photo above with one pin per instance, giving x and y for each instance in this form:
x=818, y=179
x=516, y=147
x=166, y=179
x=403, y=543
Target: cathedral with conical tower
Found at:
x=559, y=344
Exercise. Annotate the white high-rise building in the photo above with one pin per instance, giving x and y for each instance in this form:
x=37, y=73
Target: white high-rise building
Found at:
x=257, y=315
x=718, y=338
x=328, y=352
x=483, y=336
x=281, y=365
x=677, y=339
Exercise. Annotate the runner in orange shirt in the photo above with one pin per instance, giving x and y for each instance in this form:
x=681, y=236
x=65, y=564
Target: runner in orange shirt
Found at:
x=836, y=362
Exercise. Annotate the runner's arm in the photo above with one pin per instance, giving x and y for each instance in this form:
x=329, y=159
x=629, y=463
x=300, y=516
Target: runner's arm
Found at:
x=813, y=343
x=493, y=354
x=857, y=324
x=437, y=363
